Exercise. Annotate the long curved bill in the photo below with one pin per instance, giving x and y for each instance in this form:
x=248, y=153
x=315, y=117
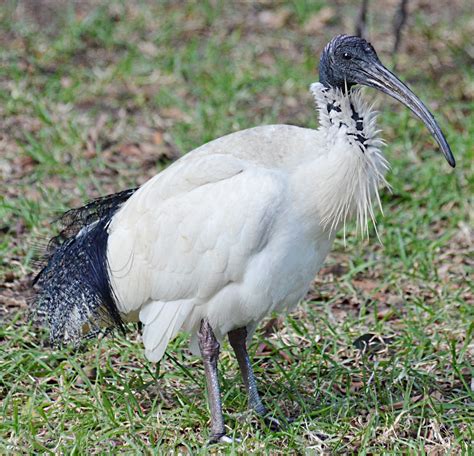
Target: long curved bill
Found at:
x=378, y=77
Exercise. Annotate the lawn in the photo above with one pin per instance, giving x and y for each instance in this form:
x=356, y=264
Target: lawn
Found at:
x=96, y=97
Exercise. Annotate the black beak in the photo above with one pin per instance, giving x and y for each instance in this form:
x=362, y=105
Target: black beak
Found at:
x=377, y=76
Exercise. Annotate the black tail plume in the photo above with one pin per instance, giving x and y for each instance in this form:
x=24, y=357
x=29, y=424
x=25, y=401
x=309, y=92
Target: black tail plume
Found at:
x=73, y=290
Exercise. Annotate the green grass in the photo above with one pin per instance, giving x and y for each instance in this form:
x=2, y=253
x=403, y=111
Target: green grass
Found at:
x=94, y=100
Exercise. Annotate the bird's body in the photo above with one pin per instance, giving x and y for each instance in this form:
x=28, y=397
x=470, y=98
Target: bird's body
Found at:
x=239, y=227
x=234, y=230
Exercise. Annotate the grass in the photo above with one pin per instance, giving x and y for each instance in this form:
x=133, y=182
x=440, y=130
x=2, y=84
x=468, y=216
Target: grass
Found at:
x=97, y=99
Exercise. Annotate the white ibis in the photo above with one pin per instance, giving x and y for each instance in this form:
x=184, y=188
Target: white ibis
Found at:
x=234, y=230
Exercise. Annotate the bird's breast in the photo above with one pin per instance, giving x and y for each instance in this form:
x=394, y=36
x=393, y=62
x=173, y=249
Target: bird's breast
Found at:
x=275, y=280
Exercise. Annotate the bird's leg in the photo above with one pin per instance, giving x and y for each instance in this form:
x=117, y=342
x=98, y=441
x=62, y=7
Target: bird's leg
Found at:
x=209, y=347
x=237, y=339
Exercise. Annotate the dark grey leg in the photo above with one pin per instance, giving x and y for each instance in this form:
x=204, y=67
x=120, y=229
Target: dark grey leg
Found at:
x=237, y=339
x=209, y=347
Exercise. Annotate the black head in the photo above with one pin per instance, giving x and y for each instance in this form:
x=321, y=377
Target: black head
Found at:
x=349, y=60
x=342, y=59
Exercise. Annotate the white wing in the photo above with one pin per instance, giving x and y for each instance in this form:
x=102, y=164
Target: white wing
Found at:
x=186, y=235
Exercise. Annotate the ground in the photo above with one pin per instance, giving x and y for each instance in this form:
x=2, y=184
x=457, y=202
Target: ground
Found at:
x=96, y=97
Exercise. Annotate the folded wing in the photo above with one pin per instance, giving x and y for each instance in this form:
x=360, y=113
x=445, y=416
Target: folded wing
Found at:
x=188, y=234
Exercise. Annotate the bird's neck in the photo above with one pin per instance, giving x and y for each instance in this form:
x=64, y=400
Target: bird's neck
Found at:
x=349, y=167
x=346, y=116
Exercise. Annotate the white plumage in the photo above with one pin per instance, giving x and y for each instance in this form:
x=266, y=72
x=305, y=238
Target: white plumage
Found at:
x=239, y=227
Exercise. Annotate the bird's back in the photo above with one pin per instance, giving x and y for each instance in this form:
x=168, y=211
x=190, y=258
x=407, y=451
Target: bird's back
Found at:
x=270, y=146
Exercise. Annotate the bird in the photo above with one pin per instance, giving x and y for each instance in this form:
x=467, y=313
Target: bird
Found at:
x=230, y=232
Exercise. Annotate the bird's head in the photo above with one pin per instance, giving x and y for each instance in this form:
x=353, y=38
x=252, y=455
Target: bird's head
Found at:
x=350, y=60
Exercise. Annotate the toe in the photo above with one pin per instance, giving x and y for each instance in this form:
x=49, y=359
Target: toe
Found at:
x=272, y=423
x=223, y=439
x=227, y=439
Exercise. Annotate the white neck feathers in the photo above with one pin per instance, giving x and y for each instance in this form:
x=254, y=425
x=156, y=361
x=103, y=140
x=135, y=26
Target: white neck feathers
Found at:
x=354, y=165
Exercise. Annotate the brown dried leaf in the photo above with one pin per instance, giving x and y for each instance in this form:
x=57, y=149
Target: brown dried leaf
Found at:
x=336, y=269
x=9, y=276
x=158, y=137
x=130, y=150
x=11, y=298
x=265, y=350
x=26, y=163
x=148, y=48
x=274, y=19
x=267, y=59
x=174, y=113
x=272, y=326
x=93, y=136
x=353, y=387
x=399, y=405
x=91, y=374
x=366, y=285
x=317, y=21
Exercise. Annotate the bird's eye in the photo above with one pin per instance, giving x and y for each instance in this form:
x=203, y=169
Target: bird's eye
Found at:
x=346, y=56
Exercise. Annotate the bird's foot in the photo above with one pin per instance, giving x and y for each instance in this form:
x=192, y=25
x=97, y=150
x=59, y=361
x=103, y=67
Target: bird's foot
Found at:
x=222, y=438
x=272, y=423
